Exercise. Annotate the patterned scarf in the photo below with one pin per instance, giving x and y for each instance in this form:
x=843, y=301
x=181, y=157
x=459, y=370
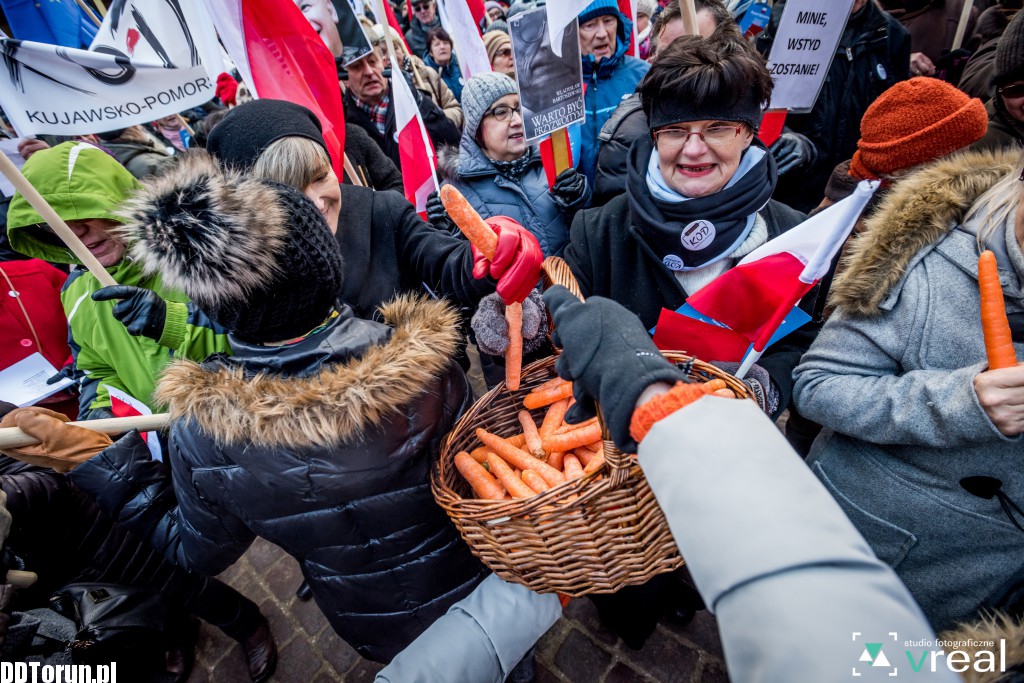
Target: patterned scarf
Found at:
x=513, y=170
x=378, y=113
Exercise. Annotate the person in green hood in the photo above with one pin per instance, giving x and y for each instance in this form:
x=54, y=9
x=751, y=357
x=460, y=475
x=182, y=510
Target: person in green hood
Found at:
x=121, y=337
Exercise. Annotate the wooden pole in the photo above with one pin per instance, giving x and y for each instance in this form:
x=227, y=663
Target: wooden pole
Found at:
x=185, y=124
x=89, y=12
x=560, y=149
x=351, y=171
x=961, y=28
x=56, y=223
x=101, y=7
x=689, y=17
x=12, y=437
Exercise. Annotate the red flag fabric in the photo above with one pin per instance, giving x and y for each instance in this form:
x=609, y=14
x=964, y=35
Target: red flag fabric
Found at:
x=477, y=9
x=273, y=43
x=626, y=7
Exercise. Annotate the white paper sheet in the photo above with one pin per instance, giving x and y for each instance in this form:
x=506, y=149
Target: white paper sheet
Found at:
x=24, y=383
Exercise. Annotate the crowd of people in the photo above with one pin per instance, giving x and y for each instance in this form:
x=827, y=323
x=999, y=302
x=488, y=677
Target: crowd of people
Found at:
x=310, y=337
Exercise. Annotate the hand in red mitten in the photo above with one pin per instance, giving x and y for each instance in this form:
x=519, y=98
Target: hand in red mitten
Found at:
x=516, y=263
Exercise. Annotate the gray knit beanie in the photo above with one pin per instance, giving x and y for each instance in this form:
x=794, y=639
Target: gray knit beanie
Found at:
x=1010, y=53
x=479, y=93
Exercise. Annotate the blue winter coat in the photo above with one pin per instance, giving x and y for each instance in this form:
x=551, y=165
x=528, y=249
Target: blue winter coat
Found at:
x=528, y=201
x=450, y=74
x=607, y=83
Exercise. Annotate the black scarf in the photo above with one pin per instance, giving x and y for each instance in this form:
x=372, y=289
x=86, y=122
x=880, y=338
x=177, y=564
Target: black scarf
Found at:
x=513, y=170
x=693, y=233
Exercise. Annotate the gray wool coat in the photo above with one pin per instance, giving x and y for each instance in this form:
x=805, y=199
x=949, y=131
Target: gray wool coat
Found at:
x=890, y=377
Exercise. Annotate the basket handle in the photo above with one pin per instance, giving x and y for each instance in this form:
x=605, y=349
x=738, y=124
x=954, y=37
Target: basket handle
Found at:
x=555, y=271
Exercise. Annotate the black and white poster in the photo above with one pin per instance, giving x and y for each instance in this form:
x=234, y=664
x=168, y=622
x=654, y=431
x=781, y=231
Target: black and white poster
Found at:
x=550, y=86
x=337, y=25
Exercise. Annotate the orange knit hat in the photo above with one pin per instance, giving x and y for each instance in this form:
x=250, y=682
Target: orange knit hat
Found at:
x=914, y=122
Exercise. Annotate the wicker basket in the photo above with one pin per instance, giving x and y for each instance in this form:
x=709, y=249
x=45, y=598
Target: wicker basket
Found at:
x=591, y=535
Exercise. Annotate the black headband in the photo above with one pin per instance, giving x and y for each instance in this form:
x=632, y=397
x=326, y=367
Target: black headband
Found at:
x=665, y=111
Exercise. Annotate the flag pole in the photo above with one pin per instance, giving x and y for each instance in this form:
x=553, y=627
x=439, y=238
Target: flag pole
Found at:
x=689, y=17
x=12, y=437
x=753, y=355
x=101, y=7
x=351, y=171
x=88, y=12
x=36, y=201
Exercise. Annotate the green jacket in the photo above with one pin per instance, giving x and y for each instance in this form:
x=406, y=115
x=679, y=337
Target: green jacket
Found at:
x=82, y=182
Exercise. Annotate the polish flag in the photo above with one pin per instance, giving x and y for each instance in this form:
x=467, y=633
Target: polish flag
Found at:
x=416, y=151
x=753, y=298
x=393, y=23
x=628, y=9
x=464, y=28
x=123, y=404
x=281, y=57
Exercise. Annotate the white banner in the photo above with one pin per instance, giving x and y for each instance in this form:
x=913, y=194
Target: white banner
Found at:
x=148, y=61
x=801, y=55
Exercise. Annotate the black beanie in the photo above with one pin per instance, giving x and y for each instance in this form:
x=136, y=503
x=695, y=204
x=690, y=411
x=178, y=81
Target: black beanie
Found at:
x=257, y=257
x=1009, y=64
x=248, y=129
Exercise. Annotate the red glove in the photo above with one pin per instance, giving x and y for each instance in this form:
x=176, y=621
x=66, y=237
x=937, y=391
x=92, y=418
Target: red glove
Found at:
x=516, y=264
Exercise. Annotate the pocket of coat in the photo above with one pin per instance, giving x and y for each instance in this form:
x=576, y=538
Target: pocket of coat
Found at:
x=890, y=543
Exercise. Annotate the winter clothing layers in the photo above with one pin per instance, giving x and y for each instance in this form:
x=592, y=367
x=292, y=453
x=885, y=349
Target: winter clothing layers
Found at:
x=1003, y=129
x=610, y=254
x=481, y=93
x=873, y=54
x=607, y=82
x=428, y=82
x=932, y=23
x=440, y=129
x=914, y=122
x=627, y=123
x=260, y=260
x=450, y=73
x=349, y=420
x=416, y=35
x=494, y=41
x=1009, y=64
x=142, y=159
x=599, y=8
x=891, y=374
x=33, y=313
x=244, y=134
x=368, y=159
x=81, y=182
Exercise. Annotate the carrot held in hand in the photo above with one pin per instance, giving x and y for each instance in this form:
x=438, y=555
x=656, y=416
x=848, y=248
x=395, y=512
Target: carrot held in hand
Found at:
x=540, y=399
x=533, y=443
x=469, y=221
x=519, y=458
x=514, y=354
x=994, y=323
x=483, y=483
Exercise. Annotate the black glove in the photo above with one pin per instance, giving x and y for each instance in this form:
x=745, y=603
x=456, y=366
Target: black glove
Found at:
x=758, y=381
x=437, y=214
x=792, y=151
x=569, y=188
x=67, y=372
x=608, y=356
x=142, y=311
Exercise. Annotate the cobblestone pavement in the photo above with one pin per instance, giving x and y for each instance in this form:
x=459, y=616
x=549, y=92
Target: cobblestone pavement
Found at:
x=575, y=650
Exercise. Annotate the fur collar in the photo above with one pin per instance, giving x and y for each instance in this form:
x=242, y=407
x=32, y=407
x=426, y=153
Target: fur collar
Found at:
x=918, y=211
x=331, y=406
x=990, y=628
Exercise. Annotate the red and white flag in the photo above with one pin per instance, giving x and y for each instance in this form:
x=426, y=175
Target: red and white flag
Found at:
x=458, y=18
x=123, y=404
x=754, y=297
x=281, y=57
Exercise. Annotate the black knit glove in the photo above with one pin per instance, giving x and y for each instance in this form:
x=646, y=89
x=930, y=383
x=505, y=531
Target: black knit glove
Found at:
x=491, y=327
x=792, y=151
x=437, y=214
x=609, y=358
x=569, y=188
x=142, y=311
x=758, y=381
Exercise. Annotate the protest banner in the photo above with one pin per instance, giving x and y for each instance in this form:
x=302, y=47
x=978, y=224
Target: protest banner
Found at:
x=149, y=60
x=555, y=97
x=805, y=44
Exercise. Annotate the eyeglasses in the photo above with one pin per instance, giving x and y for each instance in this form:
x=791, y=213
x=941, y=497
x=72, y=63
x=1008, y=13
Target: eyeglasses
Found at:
x=712, y=136
x=504, y=52
x=1015, y=90
x=420, y=6
x=503, y=112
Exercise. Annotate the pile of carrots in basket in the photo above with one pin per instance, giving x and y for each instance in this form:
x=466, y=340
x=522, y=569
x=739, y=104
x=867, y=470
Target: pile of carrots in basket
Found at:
x=538, y=459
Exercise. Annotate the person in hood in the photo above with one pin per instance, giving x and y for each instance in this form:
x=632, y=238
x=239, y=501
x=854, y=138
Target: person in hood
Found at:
x=1006, y=108
x=121, y=337
x=319, y=433
x=609, y=74
x=924, y=438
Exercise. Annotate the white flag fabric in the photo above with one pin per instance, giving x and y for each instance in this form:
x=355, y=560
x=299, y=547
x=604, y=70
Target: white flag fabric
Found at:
x=560, y=15
x=150, y=58
x=468, y=43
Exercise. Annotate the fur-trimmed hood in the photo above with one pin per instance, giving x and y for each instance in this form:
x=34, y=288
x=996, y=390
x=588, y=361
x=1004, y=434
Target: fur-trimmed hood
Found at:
x=990, y=629
x=371, y=372
x=919, y=211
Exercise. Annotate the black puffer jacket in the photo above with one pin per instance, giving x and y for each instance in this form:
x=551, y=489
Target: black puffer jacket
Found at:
x=324, y=447
x=873, y=55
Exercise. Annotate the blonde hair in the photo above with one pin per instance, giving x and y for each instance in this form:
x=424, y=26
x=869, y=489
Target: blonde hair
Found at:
x=292, y=160
x=998, y=204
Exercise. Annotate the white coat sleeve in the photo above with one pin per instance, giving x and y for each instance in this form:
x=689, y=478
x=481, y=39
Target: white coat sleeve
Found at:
x=480, y=639
x=791, y=581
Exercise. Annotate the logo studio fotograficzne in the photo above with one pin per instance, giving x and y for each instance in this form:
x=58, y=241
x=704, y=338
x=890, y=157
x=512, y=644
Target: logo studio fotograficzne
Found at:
x=921, y=655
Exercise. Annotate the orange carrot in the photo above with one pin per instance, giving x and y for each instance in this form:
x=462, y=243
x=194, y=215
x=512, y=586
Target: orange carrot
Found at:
x=540, y=399
x=469, y=221
x=514, y=353
x=596, y=463
x=555, y=459
x=553, y=418
x=485, y=485
x=570, y=440
x=479, y=454
x=508, y=478
x=573, y=469
x=724, y=393
x=550, y=384
x=519, y=440
x=533, y=443
x=535, y=481
x=568, y=427
x=584, y=455
x=994, y=323
x=713, y=385
x=596, y=446
x=519, y=458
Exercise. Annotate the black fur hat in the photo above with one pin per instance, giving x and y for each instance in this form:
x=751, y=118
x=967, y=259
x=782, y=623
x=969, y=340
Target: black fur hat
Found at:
x=255, y=256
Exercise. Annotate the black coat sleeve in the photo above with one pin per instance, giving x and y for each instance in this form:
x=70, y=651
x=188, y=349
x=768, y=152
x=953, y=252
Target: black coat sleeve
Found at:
x=439, y=127
x=577, y=253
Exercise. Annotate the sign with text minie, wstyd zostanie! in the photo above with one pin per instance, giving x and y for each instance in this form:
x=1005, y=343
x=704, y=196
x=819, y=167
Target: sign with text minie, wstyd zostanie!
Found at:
x=802, y=52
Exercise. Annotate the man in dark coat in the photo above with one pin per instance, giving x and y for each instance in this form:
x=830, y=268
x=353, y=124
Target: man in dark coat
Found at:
x=370, y=104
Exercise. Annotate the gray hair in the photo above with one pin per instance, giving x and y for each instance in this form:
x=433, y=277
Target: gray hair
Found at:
x=293, y=160
x=998, y=204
